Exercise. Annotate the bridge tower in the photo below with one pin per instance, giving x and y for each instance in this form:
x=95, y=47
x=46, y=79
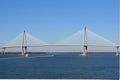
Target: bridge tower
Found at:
x=24, y=43
x=117, y=50
x=84, y=43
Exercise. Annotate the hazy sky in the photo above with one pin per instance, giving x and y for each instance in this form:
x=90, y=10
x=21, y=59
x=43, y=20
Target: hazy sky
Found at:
x=54, y=20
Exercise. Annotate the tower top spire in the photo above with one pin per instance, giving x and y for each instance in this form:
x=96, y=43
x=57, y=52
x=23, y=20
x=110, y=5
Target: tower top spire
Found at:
x=85, y=27
x=24, y=31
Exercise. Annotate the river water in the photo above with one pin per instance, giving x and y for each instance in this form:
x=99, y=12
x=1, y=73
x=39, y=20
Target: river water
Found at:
x=59, y=66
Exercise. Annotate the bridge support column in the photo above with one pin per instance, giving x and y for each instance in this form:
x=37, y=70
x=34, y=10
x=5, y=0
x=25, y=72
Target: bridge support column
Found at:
x=117, y=50
x=24, y=50
x=3, y=50
x=84, y=44
x=84, y=50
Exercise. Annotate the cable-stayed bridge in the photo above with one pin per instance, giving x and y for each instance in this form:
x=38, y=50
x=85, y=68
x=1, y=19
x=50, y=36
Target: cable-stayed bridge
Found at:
x=83, y=38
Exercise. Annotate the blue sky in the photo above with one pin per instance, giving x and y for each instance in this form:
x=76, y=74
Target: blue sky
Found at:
x=54, y=20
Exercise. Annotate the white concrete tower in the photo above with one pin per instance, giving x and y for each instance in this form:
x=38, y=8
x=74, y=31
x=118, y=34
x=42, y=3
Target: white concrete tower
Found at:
x=24, y=43
x=84, y=43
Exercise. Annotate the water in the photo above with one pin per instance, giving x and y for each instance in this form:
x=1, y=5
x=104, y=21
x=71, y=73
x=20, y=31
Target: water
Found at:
x=59, y=66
